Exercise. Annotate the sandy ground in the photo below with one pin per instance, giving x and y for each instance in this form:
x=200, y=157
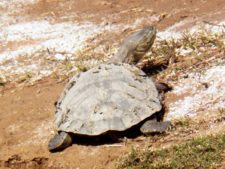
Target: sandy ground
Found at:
x=26, y=114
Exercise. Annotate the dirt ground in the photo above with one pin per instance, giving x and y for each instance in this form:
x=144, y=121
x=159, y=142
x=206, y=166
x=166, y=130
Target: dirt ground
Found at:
x=26, y=113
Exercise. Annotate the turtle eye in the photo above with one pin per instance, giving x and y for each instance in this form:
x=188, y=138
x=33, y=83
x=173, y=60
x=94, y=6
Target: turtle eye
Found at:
x=55, y=103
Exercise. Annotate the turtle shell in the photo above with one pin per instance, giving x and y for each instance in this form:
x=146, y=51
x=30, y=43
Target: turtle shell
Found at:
x=106, y=98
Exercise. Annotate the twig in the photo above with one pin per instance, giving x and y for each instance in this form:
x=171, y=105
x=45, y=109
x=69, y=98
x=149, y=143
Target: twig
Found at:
x=114, y=145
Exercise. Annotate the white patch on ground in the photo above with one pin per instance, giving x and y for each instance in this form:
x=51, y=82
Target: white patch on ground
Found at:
x=61, y=37
x=173, y=33
x=13, y=2
x=197, y=97
x=213, y=28
x=15, y=5
x=39, y=135
x=54, y=41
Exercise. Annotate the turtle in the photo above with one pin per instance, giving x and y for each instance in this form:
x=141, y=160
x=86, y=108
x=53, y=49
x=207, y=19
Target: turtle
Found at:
x=110, y=97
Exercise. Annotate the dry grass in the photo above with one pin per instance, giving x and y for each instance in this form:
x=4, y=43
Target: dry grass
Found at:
x=192, y=52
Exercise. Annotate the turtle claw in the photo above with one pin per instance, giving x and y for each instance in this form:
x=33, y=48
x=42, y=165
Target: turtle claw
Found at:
x=59, y=142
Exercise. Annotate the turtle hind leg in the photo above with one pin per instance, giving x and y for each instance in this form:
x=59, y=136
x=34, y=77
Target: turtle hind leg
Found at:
x=153, y=126
x=59, y=142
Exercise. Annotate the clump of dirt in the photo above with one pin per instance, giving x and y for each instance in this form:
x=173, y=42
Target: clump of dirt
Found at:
x=16, y=162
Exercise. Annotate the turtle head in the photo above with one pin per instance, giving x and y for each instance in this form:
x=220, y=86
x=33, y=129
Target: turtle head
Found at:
x=135, y=46
x=145, y=41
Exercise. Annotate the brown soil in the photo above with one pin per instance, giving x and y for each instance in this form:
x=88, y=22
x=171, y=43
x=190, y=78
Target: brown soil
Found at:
x=26, y=113
x=126, y=11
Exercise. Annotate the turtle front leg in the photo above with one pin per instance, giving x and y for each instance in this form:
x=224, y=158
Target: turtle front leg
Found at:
x=60, y=141
x=154, y=126
x=162, y=87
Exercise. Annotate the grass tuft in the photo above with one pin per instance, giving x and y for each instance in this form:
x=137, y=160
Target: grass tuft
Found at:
x=205, y=152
